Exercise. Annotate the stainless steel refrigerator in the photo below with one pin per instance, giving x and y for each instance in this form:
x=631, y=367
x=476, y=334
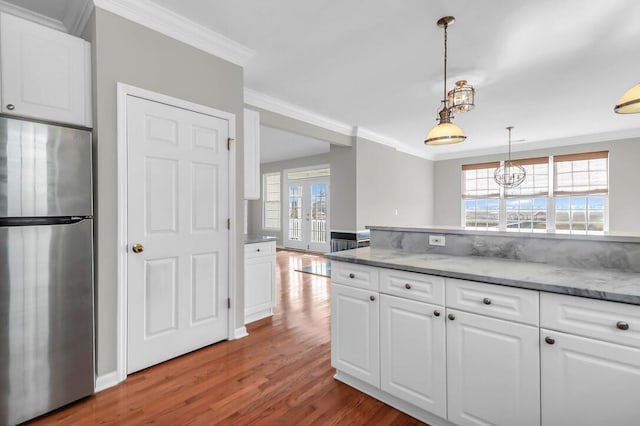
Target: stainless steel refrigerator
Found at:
x=46, y=268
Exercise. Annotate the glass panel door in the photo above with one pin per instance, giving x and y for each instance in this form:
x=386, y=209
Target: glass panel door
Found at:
x=308, y=215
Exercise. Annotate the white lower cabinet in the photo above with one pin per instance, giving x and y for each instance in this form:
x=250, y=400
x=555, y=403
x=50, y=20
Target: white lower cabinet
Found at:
x=259, y=281
x=493, y=371
x=588, y=382
x=412, y=353
x=355, y=340
x=456, y=352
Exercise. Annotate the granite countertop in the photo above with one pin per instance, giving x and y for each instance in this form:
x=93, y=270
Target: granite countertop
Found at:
x=253, y=238
x=602, y=284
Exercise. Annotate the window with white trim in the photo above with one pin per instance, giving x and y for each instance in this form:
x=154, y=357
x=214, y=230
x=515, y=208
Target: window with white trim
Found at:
x=563, y=193
x=271, y=204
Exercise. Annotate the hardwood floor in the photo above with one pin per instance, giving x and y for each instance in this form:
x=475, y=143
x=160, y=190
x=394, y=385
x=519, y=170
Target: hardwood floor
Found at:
x=279, y=374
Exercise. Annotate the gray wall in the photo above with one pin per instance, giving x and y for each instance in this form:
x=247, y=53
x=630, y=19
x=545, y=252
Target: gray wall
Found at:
x=624, y=202
x=393, y=188
x=343, y=187
x=129, y=53
x=255, y=206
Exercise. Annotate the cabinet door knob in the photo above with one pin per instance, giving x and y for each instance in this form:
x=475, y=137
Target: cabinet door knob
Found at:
x=11, y=107
x=486, y=301
x=372, y=298
x=352, y=275
x=258, y=250
x=407, y=286
x=451, y=317
x=436, y=313
x=550, y=340
x=622, y=325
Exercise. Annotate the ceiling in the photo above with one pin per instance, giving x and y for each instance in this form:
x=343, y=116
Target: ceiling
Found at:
x=278, y=145
x=552, y=68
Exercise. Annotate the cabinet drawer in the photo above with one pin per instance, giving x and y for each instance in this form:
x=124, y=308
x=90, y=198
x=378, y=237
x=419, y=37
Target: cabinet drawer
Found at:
x=422, y=287
x=514, y=304
x=259, y=249
x=599, y=319
x=355, y=275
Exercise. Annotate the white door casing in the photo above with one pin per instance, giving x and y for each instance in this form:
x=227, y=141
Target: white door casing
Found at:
x=178, y=206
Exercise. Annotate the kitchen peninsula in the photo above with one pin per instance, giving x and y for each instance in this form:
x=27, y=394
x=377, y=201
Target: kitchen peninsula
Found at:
x=491, y=327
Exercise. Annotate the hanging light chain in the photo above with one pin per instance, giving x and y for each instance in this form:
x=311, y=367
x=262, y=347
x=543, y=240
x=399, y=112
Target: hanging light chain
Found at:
x=444, y=94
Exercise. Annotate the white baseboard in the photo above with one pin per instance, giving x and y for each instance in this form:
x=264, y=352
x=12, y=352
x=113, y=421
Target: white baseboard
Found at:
x=106, y=381
x=239, y=333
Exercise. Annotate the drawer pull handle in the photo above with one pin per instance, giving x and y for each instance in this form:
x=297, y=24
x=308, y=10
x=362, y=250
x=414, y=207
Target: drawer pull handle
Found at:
x=372, y=298
x=622, y=325
x=11, y=107
x=352, y=275
x=452, y=317
x=407, y=286
x=486, y=301
x=550, y=340
x=436, y=313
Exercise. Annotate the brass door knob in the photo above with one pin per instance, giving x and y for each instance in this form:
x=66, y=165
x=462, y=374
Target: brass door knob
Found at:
x=137, y=248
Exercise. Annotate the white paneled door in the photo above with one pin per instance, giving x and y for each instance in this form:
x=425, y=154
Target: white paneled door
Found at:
x=178, y=241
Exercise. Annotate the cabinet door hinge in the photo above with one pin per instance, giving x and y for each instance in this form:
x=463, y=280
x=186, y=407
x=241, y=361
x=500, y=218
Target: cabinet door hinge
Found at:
x=229, y=223
x=229, y=303
x=229, y=143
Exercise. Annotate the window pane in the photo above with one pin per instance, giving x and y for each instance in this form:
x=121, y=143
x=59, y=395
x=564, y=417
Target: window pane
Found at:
x=582, y=214
x=482, y=213
x=526, y=214
x=581, y=177
x=271, y=201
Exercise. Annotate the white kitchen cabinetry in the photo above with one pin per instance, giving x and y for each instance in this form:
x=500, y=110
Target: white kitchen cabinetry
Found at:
x=45, y=73
x=590, y=361
x=251, y=155
x=355, y=340
x=259, y=280
x=493, y=371
x=412, y=351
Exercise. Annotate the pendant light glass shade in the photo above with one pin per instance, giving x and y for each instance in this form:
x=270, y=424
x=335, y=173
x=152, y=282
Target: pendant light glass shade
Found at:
x=629, y=103
x=462, y=97
x=445, y=132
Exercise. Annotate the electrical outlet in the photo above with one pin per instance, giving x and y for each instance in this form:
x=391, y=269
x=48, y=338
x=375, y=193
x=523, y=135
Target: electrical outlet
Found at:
x=436, y=240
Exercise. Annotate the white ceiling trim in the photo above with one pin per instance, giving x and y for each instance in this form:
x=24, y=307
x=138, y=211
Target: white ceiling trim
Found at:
x=76, y=19
x=269, y=103
x=32, y=16
x=162, y=20
x=385, y=140
x=552, y=143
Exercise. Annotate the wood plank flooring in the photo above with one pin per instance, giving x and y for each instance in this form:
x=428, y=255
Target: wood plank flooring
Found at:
x=279, y=374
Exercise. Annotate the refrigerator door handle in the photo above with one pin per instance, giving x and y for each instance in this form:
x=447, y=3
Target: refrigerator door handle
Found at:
x=36, y=221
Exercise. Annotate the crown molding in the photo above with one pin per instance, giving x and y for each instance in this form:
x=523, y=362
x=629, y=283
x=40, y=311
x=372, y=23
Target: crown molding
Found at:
x=269, y=103
x=393, y=143
x=169, y=23
x=543, y=144
x=29, y=15
x=76, y=18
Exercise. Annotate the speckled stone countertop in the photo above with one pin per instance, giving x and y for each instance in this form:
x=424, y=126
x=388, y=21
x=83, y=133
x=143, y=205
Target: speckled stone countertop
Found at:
x=596, y=284
x=252, y=239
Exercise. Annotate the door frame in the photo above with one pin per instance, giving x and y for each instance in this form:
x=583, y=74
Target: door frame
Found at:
x=284, y=208
x=123, y=91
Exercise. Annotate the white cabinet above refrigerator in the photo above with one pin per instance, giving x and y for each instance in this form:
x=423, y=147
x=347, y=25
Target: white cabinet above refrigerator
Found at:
x=45, y=74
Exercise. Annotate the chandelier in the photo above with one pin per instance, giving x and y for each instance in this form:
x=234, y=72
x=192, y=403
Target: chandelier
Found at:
x=510, y=174
x=460, y=99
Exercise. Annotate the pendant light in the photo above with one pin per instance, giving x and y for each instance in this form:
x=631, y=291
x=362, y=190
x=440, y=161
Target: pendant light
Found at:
x=445, y=132
x=629, y=103
x=462, y=97
x=510, y=174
